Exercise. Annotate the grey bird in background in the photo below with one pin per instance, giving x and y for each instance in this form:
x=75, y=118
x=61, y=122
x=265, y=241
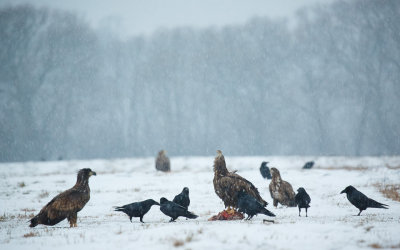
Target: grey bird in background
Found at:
x=137, y=209
x=302, y=199
x=308, y=165
x=264, y=170
x=162, y=162
x=360, y=200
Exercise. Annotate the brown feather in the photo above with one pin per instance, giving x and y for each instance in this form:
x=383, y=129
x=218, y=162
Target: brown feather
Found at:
x=281, y=191
x=228, y=184
x=67, y=204
x=162, y=162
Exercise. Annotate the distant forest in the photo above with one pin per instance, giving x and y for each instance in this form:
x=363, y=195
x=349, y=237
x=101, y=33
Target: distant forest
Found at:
x=327, y=85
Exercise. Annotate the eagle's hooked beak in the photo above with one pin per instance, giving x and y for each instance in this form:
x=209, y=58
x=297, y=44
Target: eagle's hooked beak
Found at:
x=92, y=173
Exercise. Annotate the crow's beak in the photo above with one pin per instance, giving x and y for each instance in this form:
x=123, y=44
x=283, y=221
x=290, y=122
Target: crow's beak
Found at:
x=92, y=173
x=343, y=192
x=158, y=204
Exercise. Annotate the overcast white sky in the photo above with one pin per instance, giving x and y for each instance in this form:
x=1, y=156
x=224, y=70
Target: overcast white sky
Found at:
x=131, y=17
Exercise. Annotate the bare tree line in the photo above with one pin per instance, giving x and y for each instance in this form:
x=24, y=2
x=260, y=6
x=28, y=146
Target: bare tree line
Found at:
x=328, y=86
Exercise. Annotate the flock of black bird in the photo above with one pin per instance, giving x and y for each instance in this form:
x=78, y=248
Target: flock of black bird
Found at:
x=174, y=209
x=67, y=204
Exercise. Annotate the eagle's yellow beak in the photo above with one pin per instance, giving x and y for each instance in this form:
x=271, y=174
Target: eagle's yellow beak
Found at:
x=92, y=173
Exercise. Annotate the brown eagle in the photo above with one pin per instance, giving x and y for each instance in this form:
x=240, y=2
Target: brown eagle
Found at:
x=66, y=204
x=228, y=184
x=162, y=162
x=281, y=191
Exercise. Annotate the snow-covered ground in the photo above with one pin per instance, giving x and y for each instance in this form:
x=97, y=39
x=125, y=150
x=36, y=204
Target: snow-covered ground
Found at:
x=26, y=187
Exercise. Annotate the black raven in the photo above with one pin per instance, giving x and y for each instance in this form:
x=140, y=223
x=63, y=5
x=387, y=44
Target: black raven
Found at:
x=137, y=209
x=360, y=200
x=308, y=165
x=249, y=205
x=264, y=170
x=174, y=210
x=302, y=199
x=183, y=198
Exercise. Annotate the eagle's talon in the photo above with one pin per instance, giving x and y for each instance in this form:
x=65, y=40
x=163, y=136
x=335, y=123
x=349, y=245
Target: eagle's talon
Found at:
x=230, y=211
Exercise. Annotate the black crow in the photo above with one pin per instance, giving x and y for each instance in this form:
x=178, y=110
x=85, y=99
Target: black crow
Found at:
x=183, y=198
x=264, y=170
x=308, y=165
x=302, y=199
x=137, y=209
x=174, y=210
x=249, y=205
x=360, y=200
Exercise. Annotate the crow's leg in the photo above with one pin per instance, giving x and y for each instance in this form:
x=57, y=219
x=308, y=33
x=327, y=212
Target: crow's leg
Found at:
x=300, y=211
x=306, y=212
x=141, y=219
x=359, y=213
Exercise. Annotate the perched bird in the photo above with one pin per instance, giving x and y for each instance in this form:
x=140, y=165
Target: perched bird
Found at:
x=174, y=210
x=249, y=205
x=228, y=184
x=308, y=165
x=360, y=200
x=137, y=209
x=162, y=162
x=302, y=199
x=264, y=170
x=67, y=204
x=183, y=198
x=281, y=191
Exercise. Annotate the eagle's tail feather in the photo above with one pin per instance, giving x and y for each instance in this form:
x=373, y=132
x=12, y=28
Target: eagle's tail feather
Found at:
x=267, y=212
x=190, y=215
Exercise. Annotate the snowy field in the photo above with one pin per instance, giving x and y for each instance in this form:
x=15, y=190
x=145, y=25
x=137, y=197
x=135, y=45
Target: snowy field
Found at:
x=27, y=187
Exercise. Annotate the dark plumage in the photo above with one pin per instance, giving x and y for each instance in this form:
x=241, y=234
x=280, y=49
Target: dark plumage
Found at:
x=137, y=209
x=249, y=205
x=308, y=165
x=228, y=184
x=162, y=162
x=302, y=199
x=67, y=204
x=174, y=210
x=264, y=170
x=360, y=200
x=281, y=191
x=183, y=198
